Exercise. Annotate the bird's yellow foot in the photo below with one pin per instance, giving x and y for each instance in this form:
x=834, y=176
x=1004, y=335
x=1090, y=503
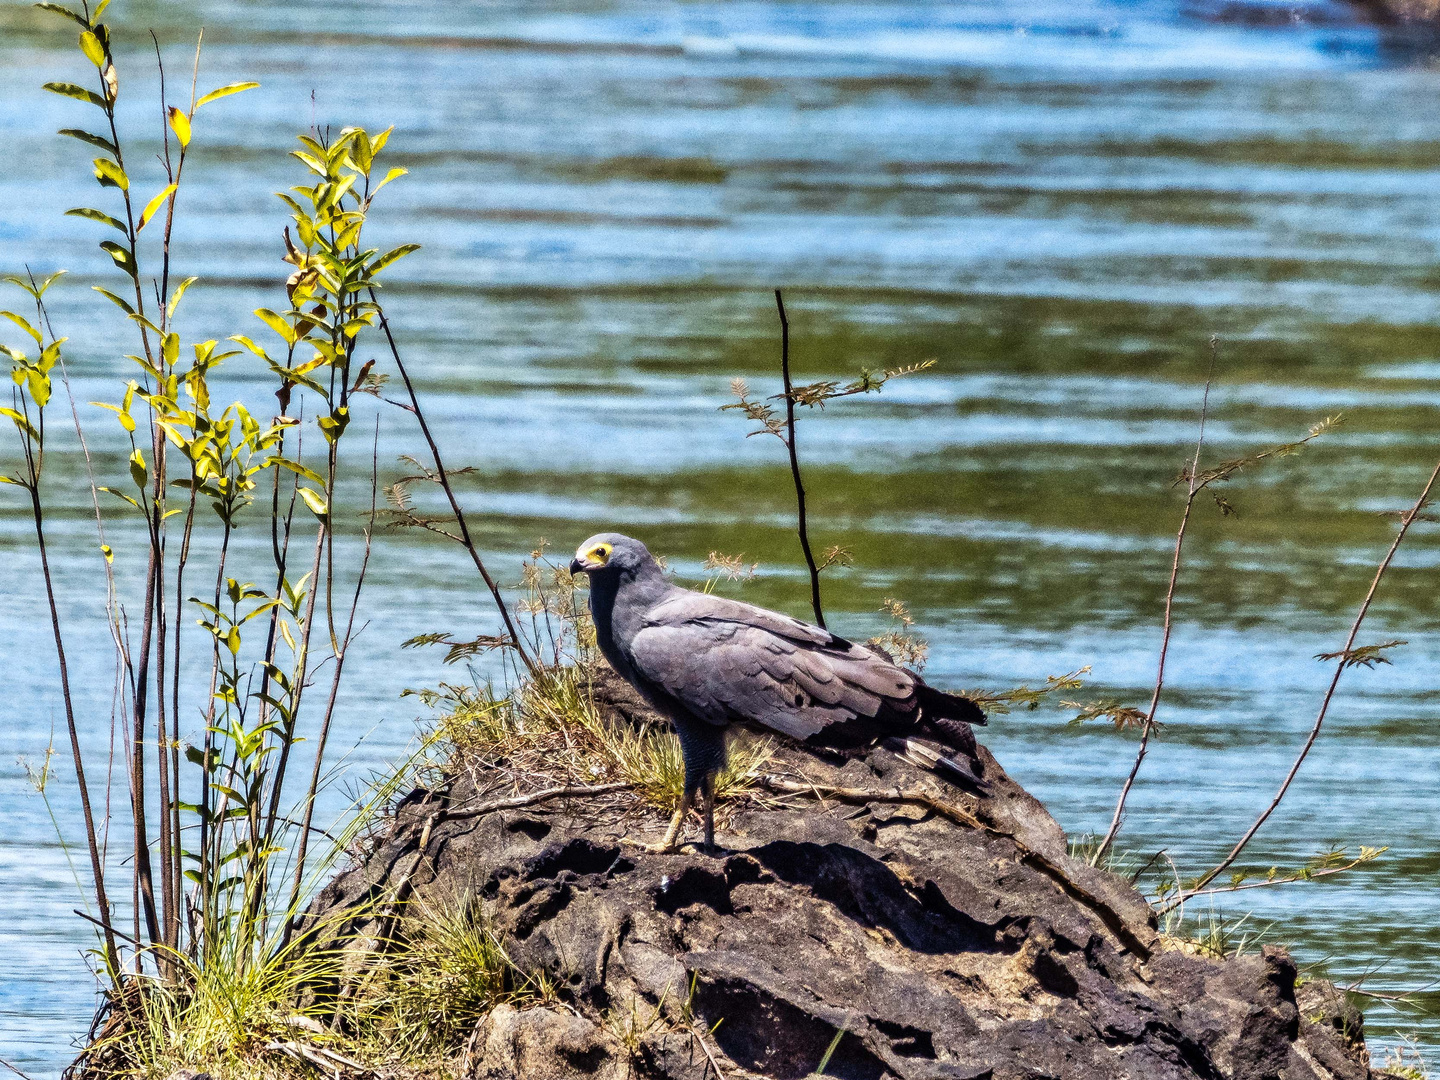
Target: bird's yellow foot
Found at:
x=665, y=847
x=672, y=843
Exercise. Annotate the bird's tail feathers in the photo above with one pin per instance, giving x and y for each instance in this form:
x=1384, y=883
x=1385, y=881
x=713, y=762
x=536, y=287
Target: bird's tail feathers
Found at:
x=938, y=705
x=948, y=718
x=921, y=753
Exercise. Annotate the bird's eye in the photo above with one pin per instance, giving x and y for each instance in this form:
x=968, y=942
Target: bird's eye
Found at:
x=600, y=553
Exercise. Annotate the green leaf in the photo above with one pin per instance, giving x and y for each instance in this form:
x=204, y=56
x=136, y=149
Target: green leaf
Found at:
x=299, y=378
x=93, y=140
x=23, y=324
x=148, y=325
x=334, y=425
x=138, y=472
x=123, y=259
x=260, y=609
x=29, y=430
x=154, y=205
x=276, y=323
x=178, y=293
x=12, y=480
x=393, y=174
x=91, y=47
x=121, y=495
x=314, y=501
x=297, y=468
x=312, y=163
x=121, y=304
x=199, y=390
x=47, y=282
x=79, y=93
x=392, y=256
x=362, y=151
x=196, y=756
x=111, y=175
x=51, y=355
x=225, y=91
x=98, y=215
x=61, y=10
x=241, y=339
x=126, y=420
x=180, y=124
x=38, y=384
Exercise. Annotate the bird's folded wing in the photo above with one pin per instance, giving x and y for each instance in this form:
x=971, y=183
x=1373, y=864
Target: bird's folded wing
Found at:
x=725, y=671
x=686, y=606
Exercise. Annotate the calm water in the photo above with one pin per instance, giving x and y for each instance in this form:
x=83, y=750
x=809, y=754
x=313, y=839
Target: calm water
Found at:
x=1058, y=202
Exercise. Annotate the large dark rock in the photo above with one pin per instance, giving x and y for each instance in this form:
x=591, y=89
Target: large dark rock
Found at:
x=939, y=949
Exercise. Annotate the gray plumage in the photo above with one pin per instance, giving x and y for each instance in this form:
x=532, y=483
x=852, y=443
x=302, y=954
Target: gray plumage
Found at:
x=707, y=662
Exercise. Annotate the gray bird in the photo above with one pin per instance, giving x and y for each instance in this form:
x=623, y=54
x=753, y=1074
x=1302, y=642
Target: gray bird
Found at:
x=706, y=663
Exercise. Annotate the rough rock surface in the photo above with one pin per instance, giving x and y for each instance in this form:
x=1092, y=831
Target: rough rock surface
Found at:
x=938, y=949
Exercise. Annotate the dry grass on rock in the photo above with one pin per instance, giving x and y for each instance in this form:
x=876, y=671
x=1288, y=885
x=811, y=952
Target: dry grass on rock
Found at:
x=577, y=725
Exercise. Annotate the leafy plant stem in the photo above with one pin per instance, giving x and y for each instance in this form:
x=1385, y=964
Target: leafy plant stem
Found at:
x=112, y=955
x=301, y=674
x=280, y=551
x=314, y=789
x=143, y=873
x=210, y=837
x=177, y=868
x=322, y=540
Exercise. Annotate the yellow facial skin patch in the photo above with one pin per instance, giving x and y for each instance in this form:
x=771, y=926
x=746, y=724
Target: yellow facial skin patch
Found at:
x=598, y=555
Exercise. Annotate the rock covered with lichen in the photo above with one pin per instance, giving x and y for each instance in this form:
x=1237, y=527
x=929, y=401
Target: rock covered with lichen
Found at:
x=883, y=937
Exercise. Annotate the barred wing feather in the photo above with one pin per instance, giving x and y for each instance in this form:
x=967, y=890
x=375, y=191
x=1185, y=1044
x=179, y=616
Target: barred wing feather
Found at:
x=725, y=662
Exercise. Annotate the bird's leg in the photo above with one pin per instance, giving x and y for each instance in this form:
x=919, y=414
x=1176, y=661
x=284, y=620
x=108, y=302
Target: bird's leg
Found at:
x=707, y=795
x=671, y=842
x=677, y=823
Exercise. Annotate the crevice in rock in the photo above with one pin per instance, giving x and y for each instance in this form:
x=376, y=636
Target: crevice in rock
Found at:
x=579, y=856
x=906, y=1041
x=533, y=827
x=765, y=1034
x=694, y=885
x=866, y=890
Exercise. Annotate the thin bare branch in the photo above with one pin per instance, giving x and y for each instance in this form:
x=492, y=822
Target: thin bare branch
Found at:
x=565, y=791
x=795, y=462
x=466, y=539
x=1194, y=486
x=1340, y=667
